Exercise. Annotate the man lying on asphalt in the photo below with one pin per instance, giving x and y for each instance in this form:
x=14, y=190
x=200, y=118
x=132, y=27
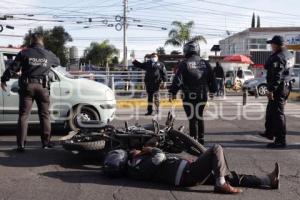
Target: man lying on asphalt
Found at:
x=152, y=164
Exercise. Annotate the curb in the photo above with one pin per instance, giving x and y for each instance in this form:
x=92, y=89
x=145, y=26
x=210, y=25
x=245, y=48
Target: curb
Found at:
x=142, y=103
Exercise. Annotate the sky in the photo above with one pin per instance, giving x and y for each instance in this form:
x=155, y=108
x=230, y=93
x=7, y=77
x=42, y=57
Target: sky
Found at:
x=214, y=19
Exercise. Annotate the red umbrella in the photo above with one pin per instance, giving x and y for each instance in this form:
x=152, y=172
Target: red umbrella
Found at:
x=238, y=58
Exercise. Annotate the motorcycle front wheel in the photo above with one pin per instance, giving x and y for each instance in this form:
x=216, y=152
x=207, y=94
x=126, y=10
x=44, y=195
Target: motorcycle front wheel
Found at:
x=186, y=142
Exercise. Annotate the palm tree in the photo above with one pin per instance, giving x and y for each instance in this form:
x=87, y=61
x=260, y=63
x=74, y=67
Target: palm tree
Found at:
x=181, y=34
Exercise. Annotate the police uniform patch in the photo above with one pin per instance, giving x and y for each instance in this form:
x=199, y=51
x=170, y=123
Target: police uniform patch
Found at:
x=192, y=65
x=276, y=64
x=38, y=62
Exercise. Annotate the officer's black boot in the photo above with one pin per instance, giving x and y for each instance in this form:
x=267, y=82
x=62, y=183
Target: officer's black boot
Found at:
x=48, y=145
x=149, y=111
x=21, y=147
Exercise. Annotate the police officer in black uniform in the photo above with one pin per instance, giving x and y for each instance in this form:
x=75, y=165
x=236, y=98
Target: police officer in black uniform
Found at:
x=195, y=77
x=156, y=75
x=277, y=67
x=34, y=63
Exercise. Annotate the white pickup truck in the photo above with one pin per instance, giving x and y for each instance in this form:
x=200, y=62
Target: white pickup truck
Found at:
x=72, y=99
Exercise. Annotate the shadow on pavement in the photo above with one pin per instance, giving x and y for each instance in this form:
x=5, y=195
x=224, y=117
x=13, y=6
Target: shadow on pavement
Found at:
x=37, y=157
x=11, y=130
x=248, y=144
x=97, y=177
x=248, y=133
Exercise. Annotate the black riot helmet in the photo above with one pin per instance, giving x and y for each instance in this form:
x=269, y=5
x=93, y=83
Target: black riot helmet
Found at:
x=115, y=163
x=191, y=48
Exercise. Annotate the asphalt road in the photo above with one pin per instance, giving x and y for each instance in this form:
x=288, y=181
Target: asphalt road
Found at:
x=58, y=174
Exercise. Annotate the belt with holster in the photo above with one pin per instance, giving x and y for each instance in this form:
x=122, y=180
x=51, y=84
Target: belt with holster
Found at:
x=35, y=80
x=44, y=81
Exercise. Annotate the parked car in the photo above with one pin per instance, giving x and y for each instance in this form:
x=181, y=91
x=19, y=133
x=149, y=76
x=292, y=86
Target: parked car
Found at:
x=236, y=78
x=261, y=83
x=72, y=99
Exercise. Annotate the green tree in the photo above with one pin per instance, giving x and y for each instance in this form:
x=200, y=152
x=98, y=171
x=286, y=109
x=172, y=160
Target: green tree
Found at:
x=55, y=40
x=115, y=60
x=100, y=54
x=253, y=21
x=161, y=51
x=181, y=33
x=258, y=22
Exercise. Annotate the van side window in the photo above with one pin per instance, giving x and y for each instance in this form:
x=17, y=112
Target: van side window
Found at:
x=53, y=77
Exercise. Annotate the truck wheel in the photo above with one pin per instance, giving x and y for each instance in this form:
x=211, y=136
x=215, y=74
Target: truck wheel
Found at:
x=186, y=142
x=262, y=90
x=71, y=145
x=81, y=113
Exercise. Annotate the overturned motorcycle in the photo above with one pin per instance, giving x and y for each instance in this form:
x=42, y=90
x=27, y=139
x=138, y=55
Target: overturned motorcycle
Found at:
x=94, y=136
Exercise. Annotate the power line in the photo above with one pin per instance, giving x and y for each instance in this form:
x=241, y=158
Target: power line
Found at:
x=247, y=8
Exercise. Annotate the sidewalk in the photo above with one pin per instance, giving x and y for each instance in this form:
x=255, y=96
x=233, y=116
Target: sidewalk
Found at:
x=164, y=102
x=142, y=103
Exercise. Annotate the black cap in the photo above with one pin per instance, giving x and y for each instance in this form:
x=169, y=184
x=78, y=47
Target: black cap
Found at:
x=277, y=39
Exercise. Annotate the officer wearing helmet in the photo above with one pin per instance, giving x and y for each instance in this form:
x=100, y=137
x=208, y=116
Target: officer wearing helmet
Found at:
x=195, y=78
x=279, y=85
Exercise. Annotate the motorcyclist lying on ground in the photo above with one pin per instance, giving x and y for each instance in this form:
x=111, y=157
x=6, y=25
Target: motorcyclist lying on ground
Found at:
x=152, y=164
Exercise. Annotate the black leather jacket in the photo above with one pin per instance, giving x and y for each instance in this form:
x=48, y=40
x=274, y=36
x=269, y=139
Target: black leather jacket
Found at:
x=194, y=75
x=277, y=69
x=155, y=72
x=156, y=166
x=219, y=72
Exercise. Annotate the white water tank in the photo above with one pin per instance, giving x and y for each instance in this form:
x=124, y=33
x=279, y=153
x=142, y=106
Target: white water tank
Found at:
x=74, y=53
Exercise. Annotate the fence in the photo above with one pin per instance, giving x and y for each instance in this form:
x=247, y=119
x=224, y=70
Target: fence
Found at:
x=120, y=81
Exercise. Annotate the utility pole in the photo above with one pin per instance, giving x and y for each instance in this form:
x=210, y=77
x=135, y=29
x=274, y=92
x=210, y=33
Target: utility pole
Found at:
x=125, y=61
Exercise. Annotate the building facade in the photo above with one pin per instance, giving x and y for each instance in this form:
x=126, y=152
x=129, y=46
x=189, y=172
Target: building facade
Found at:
x=252, y=42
